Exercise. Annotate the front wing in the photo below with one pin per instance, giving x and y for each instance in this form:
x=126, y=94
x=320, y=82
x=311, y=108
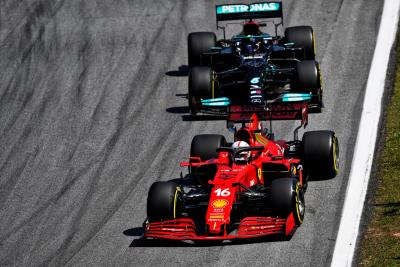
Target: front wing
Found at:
x=249, y=227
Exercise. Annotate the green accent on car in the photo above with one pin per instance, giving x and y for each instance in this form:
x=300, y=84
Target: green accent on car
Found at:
x=288, y=44
x=215, y=49
x=293, y=97
x=239, y=36
x=258, y=7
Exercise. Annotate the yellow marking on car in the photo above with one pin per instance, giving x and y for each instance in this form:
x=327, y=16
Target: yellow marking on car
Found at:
x=320, y=77
x=178, y=189
x=220, y=203
x=297, y=204
x=315, y=49
x=216, y=216
x=259, y=174
x=335, y=161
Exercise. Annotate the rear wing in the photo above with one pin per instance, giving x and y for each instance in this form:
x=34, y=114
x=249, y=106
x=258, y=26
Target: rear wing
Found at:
x=271, y=111
x=261, y=10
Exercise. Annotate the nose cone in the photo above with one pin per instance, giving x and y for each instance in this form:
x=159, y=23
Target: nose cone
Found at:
x=219, y=208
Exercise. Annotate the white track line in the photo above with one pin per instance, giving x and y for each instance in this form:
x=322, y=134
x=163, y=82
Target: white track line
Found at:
x=366, y=139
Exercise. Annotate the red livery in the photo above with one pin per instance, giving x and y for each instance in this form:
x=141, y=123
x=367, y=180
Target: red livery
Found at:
x=250, y=188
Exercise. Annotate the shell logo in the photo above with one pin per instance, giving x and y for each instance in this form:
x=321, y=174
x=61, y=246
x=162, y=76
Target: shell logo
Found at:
x=220, y=203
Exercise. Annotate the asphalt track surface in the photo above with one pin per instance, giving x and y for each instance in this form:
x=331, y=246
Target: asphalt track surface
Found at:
x=91, y=114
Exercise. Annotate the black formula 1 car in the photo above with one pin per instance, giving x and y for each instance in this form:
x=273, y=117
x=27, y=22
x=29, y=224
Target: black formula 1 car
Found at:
x=253, y=66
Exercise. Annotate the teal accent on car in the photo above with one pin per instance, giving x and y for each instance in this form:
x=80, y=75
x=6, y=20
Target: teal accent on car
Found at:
x=215, y=49
x=239, y=36
x=288, y=44
x=293, y=97
x=215, y=102
x=258, y=7
x=270, y=69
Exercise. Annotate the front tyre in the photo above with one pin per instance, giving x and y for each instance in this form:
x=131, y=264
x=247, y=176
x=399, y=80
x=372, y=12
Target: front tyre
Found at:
x=307, y=77
x=201, y=86
x=163, y=201
x=288, y=197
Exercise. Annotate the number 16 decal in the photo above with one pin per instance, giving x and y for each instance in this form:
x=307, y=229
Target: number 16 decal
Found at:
x=222, y=193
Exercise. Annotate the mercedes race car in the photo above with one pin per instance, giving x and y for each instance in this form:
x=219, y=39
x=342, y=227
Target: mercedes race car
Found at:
x=252, y=66
x=251, y=188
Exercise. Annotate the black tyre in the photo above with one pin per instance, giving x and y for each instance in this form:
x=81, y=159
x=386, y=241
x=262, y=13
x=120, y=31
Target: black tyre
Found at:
x=199, y=43
x=201, y=86
x=163, y=201
x=205, y=145
x=302, y=36
x=307, y=77
x=320, y=154
x=288, y=196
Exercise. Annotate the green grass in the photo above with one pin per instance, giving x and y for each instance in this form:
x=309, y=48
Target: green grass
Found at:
x=381, y=242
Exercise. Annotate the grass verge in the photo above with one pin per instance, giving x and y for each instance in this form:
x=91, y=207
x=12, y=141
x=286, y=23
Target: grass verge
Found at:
x=381, y=242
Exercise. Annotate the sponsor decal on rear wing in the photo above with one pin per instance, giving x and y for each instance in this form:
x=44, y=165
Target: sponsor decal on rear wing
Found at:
x=272, y=111
x=249, y=11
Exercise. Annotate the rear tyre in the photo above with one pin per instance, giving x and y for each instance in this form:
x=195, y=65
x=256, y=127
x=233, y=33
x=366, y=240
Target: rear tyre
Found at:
x=201, y=86
x=199, y=43
x=288, y=196
x=302, y=37
x=163, y=201
x=205, y=146
x=320, y=154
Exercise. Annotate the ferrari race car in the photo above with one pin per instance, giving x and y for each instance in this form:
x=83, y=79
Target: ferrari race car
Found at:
x=251, y=188
x=253, y=66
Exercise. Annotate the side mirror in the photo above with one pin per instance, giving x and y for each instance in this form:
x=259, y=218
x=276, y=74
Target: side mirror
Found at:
x=231, y=126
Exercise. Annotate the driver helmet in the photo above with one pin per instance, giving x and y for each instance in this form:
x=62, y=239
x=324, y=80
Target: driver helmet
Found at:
x=242, y=157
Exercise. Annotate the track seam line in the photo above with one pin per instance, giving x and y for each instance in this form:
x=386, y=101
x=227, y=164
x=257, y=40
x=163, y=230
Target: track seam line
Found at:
x=366, y=138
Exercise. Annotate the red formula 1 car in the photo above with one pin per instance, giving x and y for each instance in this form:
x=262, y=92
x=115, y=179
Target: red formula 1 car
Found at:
x=251, y=188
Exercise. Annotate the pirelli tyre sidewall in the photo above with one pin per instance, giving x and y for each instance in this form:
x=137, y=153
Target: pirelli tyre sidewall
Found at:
x=163, y=201
x=288, y=196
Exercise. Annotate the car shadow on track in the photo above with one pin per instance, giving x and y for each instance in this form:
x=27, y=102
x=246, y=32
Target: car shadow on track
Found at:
x=182, y=71
x=187, y=117
x=178, y=110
